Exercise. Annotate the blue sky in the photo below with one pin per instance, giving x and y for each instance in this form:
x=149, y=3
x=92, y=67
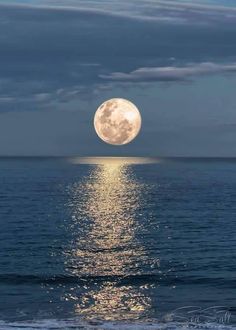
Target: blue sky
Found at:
x=176, y=60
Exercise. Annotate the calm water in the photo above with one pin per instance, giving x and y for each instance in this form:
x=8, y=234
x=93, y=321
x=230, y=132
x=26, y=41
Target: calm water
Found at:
x=117, y=243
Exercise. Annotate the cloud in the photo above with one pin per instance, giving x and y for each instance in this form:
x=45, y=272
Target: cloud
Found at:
x=147, y=10
x=81, y=48
x=171, y=73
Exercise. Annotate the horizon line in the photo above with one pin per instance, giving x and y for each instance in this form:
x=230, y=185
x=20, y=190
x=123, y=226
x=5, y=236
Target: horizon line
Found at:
x=125, y=156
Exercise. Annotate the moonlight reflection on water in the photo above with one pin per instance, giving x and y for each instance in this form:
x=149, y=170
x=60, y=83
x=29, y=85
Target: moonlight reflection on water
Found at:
x=108, y=248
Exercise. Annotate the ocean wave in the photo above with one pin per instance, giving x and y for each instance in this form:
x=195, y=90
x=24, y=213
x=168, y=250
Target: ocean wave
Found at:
x=183, y=318
x=135, y=279
x=108, y=325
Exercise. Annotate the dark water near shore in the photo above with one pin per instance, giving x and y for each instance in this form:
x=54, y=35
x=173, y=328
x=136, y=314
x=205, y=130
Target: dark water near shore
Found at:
x=130, y=242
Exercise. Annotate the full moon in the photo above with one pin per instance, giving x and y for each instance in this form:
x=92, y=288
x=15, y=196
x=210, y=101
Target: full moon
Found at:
x=117, y=121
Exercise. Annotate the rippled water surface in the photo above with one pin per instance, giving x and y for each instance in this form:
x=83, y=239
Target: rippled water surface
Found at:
x=134, y=240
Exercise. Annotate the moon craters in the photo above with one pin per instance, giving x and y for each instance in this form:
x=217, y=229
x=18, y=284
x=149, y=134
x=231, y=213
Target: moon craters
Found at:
x=117, y=121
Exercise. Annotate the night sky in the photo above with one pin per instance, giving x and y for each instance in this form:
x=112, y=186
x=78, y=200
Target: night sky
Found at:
x=176, y=60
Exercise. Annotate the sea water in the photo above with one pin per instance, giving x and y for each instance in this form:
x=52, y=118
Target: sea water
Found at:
x=117, y=243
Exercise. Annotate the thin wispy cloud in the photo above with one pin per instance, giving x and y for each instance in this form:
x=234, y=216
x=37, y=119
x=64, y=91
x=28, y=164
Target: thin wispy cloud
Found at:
x=171, y=73
x=147, y=10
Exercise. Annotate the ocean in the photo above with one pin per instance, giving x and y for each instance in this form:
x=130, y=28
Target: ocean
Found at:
x=117, y=243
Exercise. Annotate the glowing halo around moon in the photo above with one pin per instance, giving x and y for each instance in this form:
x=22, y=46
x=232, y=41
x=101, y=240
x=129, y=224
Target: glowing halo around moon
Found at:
x=117, y=121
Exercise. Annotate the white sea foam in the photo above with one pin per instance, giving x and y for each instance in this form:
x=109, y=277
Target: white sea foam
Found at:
x=109, y=325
